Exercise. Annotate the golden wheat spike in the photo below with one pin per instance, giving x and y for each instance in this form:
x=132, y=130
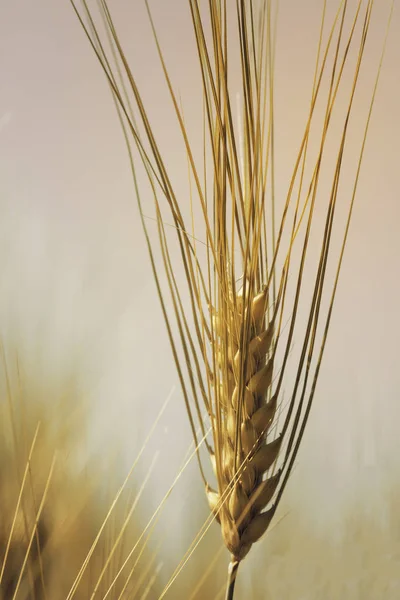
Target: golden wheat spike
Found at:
x=231, y=352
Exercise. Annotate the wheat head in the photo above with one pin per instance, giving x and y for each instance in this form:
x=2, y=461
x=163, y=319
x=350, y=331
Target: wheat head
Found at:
x=245, y=282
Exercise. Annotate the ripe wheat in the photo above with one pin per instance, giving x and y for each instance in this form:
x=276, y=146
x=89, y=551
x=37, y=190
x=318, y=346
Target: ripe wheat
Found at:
x=231, y=325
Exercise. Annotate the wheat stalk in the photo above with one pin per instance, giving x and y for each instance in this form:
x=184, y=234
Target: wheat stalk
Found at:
x=251, y=280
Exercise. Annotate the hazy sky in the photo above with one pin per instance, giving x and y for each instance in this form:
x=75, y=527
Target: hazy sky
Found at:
x=75, y=277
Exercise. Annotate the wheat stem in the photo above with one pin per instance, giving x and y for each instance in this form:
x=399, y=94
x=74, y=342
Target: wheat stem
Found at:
x=232, y=573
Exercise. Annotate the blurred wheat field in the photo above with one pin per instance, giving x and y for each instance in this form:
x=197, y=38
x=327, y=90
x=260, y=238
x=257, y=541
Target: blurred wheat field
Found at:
x=75, y=282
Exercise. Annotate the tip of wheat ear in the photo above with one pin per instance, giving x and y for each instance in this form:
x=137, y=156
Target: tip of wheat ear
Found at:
x=245, y=454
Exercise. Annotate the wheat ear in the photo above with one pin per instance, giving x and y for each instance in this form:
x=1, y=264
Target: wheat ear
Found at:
x=230, y=326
